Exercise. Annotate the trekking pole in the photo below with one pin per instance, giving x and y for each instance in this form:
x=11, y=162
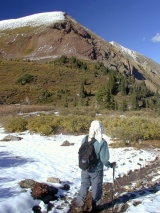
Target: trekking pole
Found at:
x=113, y=188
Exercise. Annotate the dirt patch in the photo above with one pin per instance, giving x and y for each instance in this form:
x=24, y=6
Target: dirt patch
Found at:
x=125, y=189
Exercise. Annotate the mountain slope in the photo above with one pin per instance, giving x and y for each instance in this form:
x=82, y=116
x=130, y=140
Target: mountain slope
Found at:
x=46, y=36
x=146, y=63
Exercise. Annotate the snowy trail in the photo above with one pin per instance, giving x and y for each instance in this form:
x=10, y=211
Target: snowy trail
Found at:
x=39, y=157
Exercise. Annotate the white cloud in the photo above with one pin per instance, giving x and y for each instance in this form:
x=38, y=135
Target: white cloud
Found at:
x=156, y=38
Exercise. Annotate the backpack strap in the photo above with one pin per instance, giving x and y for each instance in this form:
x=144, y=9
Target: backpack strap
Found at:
x=92, y=139
x=92, y=142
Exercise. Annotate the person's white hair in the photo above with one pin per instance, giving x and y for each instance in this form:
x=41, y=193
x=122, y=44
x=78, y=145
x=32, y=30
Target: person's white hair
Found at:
x=96, y=130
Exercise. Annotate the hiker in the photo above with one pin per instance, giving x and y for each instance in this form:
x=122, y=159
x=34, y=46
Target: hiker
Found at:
x=94, y=176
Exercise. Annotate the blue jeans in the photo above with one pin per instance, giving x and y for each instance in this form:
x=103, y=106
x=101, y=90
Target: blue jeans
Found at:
x=94, y=179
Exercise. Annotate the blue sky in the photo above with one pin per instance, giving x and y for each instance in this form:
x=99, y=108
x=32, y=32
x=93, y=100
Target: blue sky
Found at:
x=134, y=24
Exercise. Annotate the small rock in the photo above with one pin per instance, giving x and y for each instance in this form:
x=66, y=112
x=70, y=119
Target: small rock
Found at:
x=67, y=143
x=53, y=180
x=65, y=187
x=136, y=203
x=127, y=187
x=138, y=183
x=28, y=183
x=36, y=209
x=11, y=138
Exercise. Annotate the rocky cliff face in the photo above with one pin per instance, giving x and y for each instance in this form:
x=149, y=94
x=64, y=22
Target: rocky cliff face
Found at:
x=47, y=40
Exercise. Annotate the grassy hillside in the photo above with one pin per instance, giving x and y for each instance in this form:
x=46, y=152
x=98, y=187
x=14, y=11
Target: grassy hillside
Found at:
x=70, y=82
x=59, y=81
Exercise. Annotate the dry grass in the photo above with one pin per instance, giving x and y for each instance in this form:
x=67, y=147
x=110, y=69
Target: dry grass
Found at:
x=8, y=111
x=15, y=109
x=145, y=144
x=148, y=144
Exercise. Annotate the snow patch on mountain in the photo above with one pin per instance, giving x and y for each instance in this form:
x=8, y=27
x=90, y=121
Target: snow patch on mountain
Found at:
x=32, y=20
x=124, y=50
x=147, y=63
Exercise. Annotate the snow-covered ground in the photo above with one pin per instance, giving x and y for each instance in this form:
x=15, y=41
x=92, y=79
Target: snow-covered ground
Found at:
x=39, y=157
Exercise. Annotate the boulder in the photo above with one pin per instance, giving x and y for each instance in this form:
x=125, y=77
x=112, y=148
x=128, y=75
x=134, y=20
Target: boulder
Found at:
x=27, y=183
x=44, y=192
x=11, y=138
x=39, y=190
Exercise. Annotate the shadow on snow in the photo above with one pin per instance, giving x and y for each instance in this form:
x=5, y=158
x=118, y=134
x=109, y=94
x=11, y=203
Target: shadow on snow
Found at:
x=133, y=195
x=7, y=161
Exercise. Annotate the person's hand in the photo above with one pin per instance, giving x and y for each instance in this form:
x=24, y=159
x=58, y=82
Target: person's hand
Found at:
x=113, y=164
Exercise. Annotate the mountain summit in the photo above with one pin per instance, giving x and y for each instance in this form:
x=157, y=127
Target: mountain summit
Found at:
x=45, y=36
x=33, y=20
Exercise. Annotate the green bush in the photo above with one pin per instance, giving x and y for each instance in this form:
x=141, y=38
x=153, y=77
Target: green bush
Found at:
x=45, y=97
x=76, y=124
x=15, y=124
x=132, y=129
x=45, y=129
x=41, y=124
x=26, y=78
x=53, y=124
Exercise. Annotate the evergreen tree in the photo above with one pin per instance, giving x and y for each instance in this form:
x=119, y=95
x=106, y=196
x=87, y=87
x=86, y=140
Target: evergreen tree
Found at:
x=63, y=59
x=82, y=91
x=116, y=105
x=75, y=102
x=87, y=102
x=124, y=105
x=112, y=102
x=100, y=95
x=134, y=102
x=147, y=103
x=66, y=101
x=82, y=101
x=73, y=60
x=112, y=83
x=106, y=98
x=157, y=102
x=123, y=87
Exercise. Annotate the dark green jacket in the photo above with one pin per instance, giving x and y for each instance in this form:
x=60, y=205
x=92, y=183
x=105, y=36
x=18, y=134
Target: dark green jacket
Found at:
x=102, y=152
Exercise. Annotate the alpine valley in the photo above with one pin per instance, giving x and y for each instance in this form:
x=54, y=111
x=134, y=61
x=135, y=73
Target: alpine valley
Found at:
x=30, y=67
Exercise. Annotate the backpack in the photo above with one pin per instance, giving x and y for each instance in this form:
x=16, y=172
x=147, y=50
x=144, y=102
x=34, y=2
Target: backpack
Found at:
x=87, y=155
